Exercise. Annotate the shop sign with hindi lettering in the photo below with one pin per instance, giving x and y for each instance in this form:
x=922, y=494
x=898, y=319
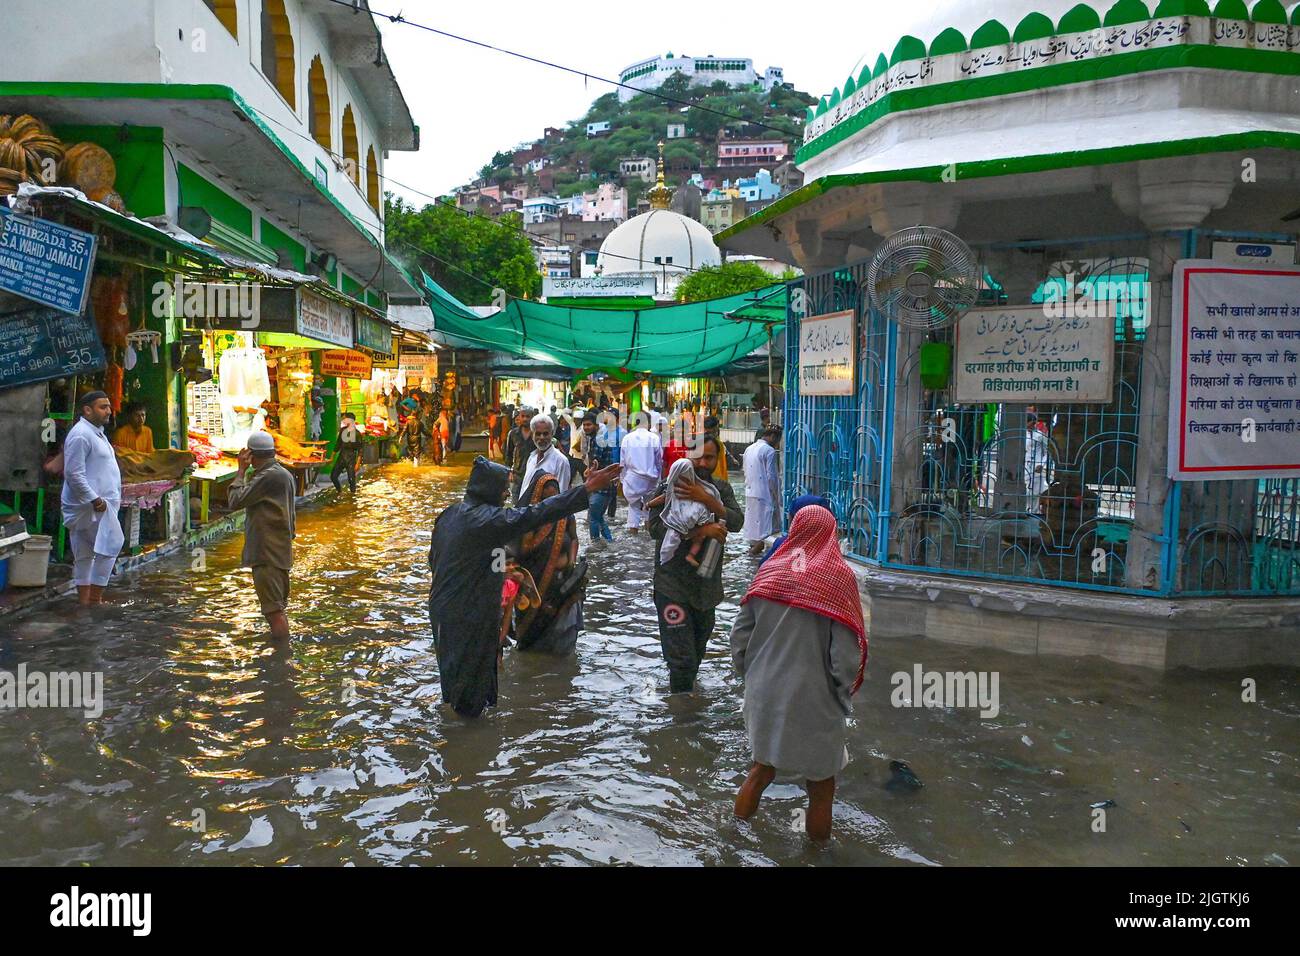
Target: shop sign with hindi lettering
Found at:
x=324, y=319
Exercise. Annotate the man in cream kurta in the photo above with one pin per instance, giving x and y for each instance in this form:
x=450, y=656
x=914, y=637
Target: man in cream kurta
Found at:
x=642, y=458
x=762, y=489
x=546, y=457
x=92, y=494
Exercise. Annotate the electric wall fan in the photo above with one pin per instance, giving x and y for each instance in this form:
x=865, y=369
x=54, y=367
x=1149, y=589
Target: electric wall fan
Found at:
x=923, y=277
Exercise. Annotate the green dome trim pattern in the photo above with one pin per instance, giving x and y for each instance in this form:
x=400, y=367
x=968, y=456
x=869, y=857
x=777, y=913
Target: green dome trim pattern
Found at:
x=1079, y=19
x=1035, y=26
x=992, y=33
x=949, y=41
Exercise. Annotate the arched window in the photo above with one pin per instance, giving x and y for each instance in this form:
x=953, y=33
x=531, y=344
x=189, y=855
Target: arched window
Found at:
x=372, y=179
x=351, y=148
x=224, y=10
x=277, y=50
x=318, y=104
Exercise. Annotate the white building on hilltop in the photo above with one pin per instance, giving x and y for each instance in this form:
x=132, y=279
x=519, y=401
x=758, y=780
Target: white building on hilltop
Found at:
x=704, y=70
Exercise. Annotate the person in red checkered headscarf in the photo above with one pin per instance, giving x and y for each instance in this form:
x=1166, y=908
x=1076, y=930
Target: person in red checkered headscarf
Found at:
x=800, y=646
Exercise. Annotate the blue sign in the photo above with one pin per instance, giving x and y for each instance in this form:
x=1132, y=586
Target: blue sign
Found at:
x=40, y=344
x=44, y=261
x=1255, y=251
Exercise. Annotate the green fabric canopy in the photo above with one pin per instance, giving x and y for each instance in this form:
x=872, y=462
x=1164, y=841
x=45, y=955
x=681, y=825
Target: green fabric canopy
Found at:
x=673, y=340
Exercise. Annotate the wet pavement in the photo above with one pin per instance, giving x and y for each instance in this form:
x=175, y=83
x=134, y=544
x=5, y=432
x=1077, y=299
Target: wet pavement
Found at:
x=215, y=749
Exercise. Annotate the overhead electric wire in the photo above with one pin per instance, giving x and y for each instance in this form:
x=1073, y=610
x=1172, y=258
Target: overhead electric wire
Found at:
x=398, y=18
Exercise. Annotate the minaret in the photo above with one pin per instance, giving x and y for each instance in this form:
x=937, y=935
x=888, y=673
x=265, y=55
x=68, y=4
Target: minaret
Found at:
x=659, y=194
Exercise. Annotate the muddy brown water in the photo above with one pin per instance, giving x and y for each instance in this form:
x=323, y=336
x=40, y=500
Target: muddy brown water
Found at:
x=213, y=749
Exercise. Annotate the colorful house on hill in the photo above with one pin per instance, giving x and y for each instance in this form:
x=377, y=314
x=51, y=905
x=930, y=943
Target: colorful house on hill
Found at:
x=1129, y=161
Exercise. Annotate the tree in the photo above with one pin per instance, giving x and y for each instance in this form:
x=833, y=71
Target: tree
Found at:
x=468, y=255
x=730, y=278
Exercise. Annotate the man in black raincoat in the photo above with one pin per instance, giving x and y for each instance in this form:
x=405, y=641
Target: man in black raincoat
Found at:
x=468, y=565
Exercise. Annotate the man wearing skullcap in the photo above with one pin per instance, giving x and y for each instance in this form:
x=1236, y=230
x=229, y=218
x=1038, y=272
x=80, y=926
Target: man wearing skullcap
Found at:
x=92, y=494
x=265, y=490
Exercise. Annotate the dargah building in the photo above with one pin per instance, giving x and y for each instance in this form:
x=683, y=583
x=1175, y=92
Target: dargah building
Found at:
x=1045, y=359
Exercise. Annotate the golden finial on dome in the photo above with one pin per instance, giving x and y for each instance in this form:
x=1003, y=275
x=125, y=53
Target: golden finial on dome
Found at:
x=660, y=196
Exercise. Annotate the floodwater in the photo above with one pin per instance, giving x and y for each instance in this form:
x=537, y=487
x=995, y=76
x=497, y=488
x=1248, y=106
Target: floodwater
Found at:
x=214, y=749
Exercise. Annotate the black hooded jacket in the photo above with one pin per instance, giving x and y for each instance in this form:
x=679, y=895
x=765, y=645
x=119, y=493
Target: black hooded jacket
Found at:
x=465, y=600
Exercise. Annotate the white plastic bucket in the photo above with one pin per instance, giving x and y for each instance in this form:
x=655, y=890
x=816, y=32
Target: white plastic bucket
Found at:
x=28, y=570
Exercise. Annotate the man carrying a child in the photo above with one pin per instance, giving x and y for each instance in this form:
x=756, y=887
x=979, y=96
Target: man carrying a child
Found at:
x=684, y=600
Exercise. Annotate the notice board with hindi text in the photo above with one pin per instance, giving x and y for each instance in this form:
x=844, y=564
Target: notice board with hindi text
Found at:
x=1234, y=379
x=1043, y=353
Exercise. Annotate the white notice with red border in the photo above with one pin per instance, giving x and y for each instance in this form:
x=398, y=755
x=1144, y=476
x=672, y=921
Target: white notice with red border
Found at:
x=1234, y=382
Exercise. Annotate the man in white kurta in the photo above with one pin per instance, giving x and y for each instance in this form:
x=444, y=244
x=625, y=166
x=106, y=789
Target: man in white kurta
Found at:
x=762, y=489
x=92, y=494
x=642, y=457
x=546, y=457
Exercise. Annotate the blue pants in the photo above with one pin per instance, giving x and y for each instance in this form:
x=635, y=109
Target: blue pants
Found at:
x=597, y=502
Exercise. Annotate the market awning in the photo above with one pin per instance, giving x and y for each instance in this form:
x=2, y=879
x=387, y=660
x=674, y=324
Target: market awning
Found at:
x=187, y=256
x=671, y=340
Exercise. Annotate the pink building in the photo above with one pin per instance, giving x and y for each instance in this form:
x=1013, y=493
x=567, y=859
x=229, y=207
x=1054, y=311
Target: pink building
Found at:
x=751, y=152
x=608, y=201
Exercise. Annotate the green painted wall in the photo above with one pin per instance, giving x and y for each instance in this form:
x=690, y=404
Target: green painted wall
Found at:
x=351, y=286
x=137, y=152
x=283, y=242
x=197, y=191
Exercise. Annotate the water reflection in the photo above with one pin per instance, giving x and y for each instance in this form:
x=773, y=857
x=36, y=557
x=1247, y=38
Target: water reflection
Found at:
x=215, y=748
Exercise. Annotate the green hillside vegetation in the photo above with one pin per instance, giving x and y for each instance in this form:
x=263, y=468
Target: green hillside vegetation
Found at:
x=640, y=123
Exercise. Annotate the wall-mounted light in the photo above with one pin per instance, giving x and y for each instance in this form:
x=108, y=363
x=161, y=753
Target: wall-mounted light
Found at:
x=324, y=262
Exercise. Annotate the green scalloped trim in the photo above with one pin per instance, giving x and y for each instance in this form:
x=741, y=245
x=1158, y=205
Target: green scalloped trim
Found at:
x=1268, y=11
x=907, y=48
x=849, y=88
x=1121, y=64
x=949, y=41
x=990, y=33
x=1229, y=142
x=1035, y=26
x=1126, y=11
x=1231, y=10
x=1182, y=8
x=1080, y=18
x=834, y=101
x=864, y=77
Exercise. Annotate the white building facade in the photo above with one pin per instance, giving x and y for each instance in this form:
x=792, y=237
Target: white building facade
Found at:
x=705, y=70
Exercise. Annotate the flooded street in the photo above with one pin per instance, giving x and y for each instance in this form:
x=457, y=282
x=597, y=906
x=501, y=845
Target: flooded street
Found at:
x=213, y=749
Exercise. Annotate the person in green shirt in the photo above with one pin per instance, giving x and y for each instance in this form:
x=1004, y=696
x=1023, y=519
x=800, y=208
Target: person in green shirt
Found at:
x=686, y=602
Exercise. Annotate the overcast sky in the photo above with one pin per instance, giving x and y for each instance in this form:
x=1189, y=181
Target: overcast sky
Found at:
x=470, y=102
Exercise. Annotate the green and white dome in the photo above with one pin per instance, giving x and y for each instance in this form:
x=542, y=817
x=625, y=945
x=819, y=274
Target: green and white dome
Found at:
x=1023, y=51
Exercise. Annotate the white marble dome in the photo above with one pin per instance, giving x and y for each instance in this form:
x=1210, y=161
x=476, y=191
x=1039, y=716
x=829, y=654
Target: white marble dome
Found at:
x=659, y=241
